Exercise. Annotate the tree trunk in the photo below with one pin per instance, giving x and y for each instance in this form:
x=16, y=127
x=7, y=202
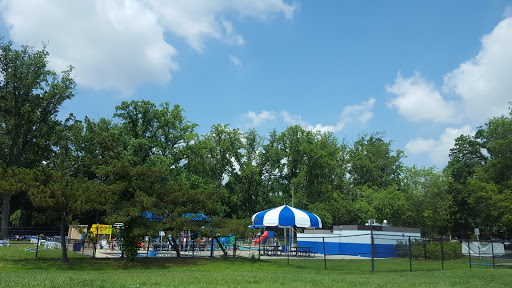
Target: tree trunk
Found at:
x=234, y=248
x=5, y=215
x=63, y=245
x=221, y=247
x=174, y=245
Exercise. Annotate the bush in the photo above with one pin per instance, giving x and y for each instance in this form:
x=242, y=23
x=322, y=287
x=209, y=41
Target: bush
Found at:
x=432, y=250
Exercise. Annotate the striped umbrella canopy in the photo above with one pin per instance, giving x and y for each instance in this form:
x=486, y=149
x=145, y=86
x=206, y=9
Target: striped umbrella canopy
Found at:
x=287, y=216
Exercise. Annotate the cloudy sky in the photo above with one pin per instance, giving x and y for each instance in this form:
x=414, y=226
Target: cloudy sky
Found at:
x=424, y=72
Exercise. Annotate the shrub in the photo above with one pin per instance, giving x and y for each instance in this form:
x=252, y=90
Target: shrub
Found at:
x=432, y=250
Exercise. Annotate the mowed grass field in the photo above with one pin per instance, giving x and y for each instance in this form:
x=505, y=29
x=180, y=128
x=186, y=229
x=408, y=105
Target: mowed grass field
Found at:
x=19, y=268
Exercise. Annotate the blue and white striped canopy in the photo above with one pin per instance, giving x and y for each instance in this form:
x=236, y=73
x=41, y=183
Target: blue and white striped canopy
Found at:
x=287, y=216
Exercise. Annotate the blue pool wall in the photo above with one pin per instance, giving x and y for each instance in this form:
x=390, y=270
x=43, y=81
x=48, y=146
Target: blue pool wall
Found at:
x=354, y=242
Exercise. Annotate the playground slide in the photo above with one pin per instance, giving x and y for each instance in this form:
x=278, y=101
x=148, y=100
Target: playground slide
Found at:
x=261, y=238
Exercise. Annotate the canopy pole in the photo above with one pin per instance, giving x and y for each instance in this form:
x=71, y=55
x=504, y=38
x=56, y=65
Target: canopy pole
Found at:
x=288, y=249
x=294, y=221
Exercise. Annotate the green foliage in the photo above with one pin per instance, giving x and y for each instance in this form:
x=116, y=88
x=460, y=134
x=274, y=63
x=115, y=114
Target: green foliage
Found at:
x=432, y=250
x=16, y=218
x=131, y=236
x=30, y=98
x=372, y=162
x=481, y=179
x=428, y=200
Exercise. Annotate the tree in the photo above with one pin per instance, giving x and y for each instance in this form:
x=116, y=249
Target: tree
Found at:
x=245, y=191
x=428, y=200
x=67, y=184
x=30, y=97
x=14, y=180
x=245, y=186
x=372, y=162
x=465, y=158
x=60, y=198
x=491, y=185
x=496, y=139
x=157, y=172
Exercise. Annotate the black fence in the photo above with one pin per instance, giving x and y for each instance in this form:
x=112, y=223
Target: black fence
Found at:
x=31, y=242
x=36, y=242
x=413, y=253
x=419, y=253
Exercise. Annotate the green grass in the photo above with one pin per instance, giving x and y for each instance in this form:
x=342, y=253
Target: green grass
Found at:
x=19, y=268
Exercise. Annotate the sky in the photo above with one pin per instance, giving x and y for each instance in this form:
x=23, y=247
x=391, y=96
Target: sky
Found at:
x=423, y=72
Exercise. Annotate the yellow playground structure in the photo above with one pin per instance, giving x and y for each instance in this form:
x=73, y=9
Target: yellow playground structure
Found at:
x=101, y=231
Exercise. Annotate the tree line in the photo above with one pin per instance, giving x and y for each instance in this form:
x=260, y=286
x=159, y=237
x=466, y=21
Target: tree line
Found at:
x=149, y=157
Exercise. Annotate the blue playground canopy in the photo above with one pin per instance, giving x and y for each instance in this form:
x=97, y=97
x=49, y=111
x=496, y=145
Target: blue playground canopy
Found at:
x=256, y=226
x=151, y=216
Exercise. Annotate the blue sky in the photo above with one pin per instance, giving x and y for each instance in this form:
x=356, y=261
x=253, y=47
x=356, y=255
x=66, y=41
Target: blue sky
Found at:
x=422, y=71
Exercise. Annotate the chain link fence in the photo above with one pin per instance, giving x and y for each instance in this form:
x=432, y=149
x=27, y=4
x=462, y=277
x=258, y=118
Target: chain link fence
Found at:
x=31, y=242
x=407, y=252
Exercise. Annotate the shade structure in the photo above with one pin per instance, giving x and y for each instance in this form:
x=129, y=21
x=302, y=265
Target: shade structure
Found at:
x=287, y=216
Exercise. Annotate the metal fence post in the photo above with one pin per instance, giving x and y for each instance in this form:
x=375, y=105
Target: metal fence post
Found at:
x=37, y=246
x=259, y=245
x=147, y=249
x=373, y=251
x=325, y=259
x=492, y=250
x=442, y=253
x=211, y=246
x=410, y=255
x=469, y=252
x=234, y=248
x=288, y=249
x=425, y=248
x=95, y=242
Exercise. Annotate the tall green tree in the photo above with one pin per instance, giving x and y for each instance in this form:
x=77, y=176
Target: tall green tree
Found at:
x=496, y=139
x=217, y=155
x=245, y=186
x=164, y=171
x=373, y=163
x=491, y=185
x=465, y=158
x=428, y=200
x=30, y=97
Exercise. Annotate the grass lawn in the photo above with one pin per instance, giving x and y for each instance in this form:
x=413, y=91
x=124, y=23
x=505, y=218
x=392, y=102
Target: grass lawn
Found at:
x=19, y=268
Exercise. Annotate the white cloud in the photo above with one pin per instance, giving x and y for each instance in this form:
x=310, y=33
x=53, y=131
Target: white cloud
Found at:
x=119, y=44
x=437, y=150
x=360, y=112
x=235, y=60
x=113, y=45
x=256, y=120
x=418, y=100
x=483, y=83
x=232, y=37
x=480, y=87
x=297, y=120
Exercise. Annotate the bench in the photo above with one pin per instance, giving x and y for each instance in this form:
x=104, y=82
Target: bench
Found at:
x=271, y=250
x=302, y=251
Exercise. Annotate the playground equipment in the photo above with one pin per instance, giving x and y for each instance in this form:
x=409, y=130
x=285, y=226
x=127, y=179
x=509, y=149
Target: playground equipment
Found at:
x=260, y=239
x=101, y=231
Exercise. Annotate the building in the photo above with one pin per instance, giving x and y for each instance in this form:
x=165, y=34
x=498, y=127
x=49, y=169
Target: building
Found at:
x=356, y=240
